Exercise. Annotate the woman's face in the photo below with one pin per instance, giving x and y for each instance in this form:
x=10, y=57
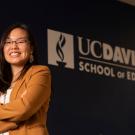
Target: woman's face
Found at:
x=17, y=49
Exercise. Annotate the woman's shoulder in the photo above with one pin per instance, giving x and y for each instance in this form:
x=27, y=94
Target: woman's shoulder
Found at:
x=38, y=68
x=44, y=67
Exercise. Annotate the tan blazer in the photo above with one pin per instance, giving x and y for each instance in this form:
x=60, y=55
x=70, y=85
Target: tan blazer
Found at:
x=26, y=114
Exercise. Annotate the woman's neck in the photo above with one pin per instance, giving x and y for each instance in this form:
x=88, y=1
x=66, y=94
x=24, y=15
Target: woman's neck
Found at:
x=16, y=70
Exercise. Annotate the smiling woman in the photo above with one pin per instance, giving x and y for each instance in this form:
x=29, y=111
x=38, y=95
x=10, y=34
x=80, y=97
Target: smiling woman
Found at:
x=25, y=86
x=17, y=49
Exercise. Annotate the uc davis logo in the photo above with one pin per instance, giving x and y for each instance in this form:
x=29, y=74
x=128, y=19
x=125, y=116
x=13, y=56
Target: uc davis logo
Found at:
x=60, y=49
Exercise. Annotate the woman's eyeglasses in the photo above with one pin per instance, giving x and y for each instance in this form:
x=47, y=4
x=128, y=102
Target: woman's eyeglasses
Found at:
x=20, y=41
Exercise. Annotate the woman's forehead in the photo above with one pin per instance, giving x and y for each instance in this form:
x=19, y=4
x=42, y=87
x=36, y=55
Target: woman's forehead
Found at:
x=18, y=33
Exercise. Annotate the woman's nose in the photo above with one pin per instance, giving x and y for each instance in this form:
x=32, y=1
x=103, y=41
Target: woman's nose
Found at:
x=14, y=45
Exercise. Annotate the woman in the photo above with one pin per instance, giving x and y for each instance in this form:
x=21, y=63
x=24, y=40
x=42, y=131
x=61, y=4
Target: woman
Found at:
x=25, y=87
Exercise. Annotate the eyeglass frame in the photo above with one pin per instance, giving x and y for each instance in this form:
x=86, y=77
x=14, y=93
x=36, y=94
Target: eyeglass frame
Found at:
x=10, y=42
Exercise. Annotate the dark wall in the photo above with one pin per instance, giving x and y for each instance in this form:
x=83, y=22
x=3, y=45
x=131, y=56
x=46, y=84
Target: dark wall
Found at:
x=82, y=103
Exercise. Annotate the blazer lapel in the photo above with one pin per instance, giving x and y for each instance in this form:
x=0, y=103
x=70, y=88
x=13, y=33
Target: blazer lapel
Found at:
x=18, y=85
x=16, y=88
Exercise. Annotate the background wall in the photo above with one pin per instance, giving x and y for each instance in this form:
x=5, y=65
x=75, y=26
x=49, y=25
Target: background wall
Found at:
x=82, y=103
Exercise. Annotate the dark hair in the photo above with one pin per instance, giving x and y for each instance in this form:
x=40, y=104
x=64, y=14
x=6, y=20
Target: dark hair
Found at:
x=5, y=68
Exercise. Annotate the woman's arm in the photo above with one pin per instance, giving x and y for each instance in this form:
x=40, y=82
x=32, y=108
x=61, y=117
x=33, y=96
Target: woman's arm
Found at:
x=5, y=126
x=38, y=93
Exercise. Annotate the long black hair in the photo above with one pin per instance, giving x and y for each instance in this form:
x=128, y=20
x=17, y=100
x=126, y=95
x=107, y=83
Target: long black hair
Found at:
x=5, y=68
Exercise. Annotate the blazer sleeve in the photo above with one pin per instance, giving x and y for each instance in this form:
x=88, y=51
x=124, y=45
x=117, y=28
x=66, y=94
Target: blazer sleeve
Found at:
x=5, y=126
x=37, y=93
